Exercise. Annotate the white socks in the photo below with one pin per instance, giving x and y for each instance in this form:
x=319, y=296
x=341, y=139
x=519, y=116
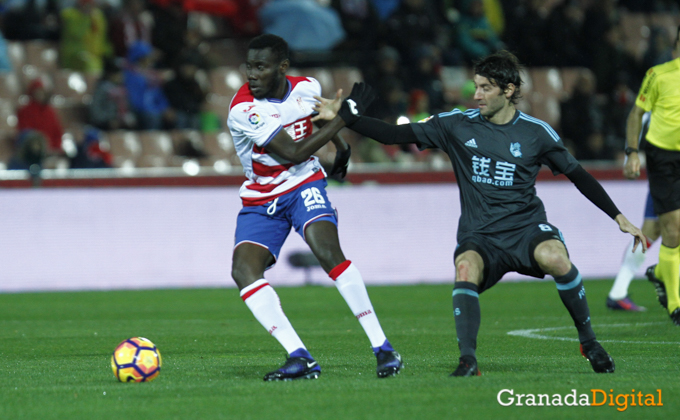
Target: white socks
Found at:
x=632, y=261
x=264, y=303
x=351, y=286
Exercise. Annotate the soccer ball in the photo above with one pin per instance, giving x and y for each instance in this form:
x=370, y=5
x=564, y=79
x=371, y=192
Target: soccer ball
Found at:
x=136, y=360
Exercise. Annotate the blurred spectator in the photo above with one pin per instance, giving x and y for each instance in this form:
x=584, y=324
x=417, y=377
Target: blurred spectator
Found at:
x=612, y=60
x=129, y=25
x=600, y=17
x=192, y=48
x=89, y=153
x=385, y=8
x=185, y=94
x=31, y=19
x=392, y=100
x=564, y=35
x=109, y=109
x=618, y=108
x=84, y=38
x=39, y=115
x=413, y=25
x=144, y=88
x=582, y=121
x=5, y=62
x=476, y=37
x=660, y=48
x=425, y=76
x=307, y=25
x=418, y=105
x=526, y=32
x=168, y=34
x=362, y=26
x=31, y=149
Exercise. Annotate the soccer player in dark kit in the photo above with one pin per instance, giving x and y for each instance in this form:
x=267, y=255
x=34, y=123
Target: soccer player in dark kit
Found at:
x=497, y=152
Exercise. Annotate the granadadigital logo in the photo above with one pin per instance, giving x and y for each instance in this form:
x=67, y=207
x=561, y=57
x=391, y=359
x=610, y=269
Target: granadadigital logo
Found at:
x=596, y=398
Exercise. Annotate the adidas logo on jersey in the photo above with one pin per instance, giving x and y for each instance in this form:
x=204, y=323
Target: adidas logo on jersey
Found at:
x=471, y=143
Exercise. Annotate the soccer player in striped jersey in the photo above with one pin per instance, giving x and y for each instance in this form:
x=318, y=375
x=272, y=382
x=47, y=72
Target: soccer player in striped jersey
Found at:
x=270, y=122
x=497, y=152
x=660, y=94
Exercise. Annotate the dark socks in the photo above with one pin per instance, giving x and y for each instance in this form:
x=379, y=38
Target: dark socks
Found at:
x=573, y=295
x=467, y=315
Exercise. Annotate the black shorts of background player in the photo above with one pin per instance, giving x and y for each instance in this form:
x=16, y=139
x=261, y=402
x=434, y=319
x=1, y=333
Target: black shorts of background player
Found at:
x=497, y=152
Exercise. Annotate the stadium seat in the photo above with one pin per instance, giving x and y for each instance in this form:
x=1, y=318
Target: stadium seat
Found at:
x=325, y=78
x=156, y=149
x=17, y=54
x=546, y=95
x=42, y=54
x=125, y=148
x=226, y=81
x=8, y=115
x=71, y=85
x=10, y=86
x=220, y=148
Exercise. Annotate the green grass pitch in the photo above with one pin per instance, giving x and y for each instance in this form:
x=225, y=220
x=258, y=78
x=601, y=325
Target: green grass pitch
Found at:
x=55, y=351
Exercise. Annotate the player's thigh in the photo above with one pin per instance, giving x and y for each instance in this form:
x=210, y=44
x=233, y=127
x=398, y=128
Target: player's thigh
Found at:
x=257, y=228
x=551, y=256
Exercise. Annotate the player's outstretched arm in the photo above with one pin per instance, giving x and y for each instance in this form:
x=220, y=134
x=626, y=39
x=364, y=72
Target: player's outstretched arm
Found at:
x=628, y=227
x=284, y=146
x=352, y=109
x=593, y=191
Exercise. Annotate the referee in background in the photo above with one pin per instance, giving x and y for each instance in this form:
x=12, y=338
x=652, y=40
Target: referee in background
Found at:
x=660, y=93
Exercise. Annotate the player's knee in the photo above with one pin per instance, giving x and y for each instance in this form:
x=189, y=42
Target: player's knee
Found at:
x=466, y=271
x=553, y=263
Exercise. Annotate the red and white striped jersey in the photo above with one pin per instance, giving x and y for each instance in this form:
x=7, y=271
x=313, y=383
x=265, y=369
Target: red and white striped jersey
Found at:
x=254, y=123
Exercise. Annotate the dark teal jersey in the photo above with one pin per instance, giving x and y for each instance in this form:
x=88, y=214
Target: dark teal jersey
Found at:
x=496, y=166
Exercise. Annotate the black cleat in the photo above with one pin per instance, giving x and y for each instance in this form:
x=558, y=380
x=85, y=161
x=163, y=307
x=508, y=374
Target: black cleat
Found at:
x=295, y=368
x=658, y=285
x=675, y=317
x=467, y=366
x=389, y=363
x=598, y=357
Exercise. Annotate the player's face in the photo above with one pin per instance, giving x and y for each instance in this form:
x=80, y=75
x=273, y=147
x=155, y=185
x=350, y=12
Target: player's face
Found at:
x=266, y=75
x=489, y=96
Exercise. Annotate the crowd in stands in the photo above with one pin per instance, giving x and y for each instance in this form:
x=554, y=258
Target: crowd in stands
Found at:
x=135, y=66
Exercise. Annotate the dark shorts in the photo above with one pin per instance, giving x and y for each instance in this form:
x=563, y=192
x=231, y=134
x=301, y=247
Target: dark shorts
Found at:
x=511, y=251
x=663, y=171
x=268, y=225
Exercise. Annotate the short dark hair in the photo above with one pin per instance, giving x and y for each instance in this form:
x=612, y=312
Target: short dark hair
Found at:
x=501, y=68
x=277, y=44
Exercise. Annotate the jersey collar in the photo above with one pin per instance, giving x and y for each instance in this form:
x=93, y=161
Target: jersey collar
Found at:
x=278, y=101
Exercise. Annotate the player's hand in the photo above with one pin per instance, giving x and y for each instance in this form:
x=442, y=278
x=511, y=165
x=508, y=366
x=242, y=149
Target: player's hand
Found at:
x=341, y=162
x=628, y=227
x=631, y=166
x=356, y=103
x=327, y=109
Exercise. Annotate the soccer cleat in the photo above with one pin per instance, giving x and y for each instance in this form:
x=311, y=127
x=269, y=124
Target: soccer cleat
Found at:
x=658, y=285
x=467, y=366
x=598, y=357
x=295, y=368
x=624, y=304
x=675, y=317
x=389, y=363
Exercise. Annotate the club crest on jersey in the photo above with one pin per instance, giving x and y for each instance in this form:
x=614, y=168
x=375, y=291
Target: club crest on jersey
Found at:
x=515, y=150
x=254, y=118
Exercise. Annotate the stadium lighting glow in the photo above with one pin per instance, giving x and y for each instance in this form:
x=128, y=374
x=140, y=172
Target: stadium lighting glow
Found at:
x=403, y=120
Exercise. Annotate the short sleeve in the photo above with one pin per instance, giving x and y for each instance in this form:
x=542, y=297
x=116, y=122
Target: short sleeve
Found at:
x=258, y=122
x=648, y=91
